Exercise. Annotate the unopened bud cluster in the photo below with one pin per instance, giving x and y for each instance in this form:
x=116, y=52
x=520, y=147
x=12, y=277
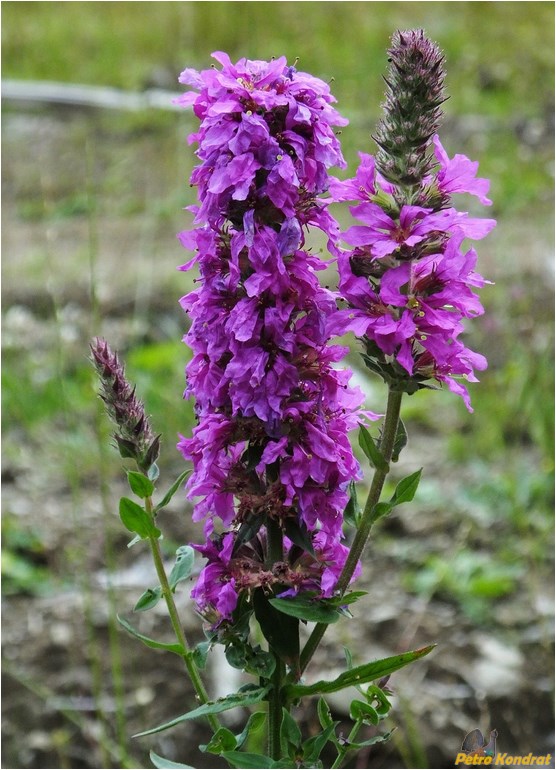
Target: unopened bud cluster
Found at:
x=134, y=437
x=412, y=108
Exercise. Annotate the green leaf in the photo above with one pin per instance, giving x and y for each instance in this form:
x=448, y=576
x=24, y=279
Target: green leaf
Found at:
x=290, y=734
x=185, y=556
x=360, y=711
x=255, y=660
x=222, y=740
x=177, y=648
x=136, y=519
x=377, y=698
x=246, y=696
x=241, y=759
x=165, y=764
x=248, y=530
x=352, y=511
x=140, y=484
x=381, y=509
x=349, y=657
x=199, y=654
x=127, y=449
x=148, y=599
x=372, y=741
x=254, y=724
x=350, y=598
x=358, y=675
x=323, y=711
x=154, y=472
x=172, y=491
x=307, y=609
x=313, y=746
x=373, y=453
x=399, y=442
x=406, y=488
x=298, y=534
x=280, y=629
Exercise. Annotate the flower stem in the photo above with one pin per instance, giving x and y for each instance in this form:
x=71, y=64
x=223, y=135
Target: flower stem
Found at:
x=275, y=553
x=390, y=427
x=344, y=751
x=275, y=540
x=192, y=669
x=275, y=706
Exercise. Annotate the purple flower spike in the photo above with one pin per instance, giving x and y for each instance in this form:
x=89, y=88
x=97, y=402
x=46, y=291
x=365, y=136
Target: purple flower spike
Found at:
x=273, y=411
x=408, y=281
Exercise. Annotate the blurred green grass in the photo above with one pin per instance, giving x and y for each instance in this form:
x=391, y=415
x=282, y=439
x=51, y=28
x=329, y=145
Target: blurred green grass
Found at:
x=499, y=56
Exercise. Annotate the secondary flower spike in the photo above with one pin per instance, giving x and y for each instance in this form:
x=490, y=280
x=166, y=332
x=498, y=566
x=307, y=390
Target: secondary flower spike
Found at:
x=134, y=436
x=409, y=278
x=271, y=446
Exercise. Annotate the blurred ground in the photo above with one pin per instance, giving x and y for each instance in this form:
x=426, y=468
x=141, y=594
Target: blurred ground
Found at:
x=91, y=203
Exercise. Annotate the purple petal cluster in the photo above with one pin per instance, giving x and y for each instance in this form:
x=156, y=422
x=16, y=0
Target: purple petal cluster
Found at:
x=273, y=411
x=409, y=280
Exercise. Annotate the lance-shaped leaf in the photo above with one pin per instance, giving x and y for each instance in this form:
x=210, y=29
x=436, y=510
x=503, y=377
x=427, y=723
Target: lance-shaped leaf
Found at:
x=166, y=764
x=352, y=511
x=177, y=648
x=313, y=747
x=248, y=530
x=372, y=741
x=290, y=734
x=246, y=696
x=373, y=453
x=280, y=629
x=298, y=534
x=172, y=491
x=406, y=488
x=358, y=675
x=399, y=442
x=312, y=610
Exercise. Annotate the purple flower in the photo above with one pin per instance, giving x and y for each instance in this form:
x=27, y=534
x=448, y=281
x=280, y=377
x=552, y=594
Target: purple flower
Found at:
x=458, y=175
x=273, y=411
x=234, y=568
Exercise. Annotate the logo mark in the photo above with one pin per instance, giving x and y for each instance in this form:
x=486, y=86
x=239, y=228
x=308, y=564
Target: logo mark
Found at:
x=474, y=745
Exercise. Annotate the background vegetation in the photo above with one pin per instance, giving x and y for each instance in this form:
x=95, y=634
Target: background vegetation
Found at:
x=92, y=200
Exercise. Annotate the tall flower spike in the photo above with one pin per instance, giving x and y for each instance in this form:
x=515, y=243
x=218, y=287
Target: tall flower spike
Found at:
x=270, y=450
x=134, y=437
x=412, y=112
x=408, y=281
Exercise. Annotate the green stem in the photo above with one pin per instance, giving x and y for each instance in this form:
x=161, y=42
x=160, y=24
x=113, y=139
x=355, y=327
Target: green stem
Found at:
x=192, y=669
x=275, y=542
x=344, y=751
x=275, y=706
x=275, y=553
x=390, y=427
